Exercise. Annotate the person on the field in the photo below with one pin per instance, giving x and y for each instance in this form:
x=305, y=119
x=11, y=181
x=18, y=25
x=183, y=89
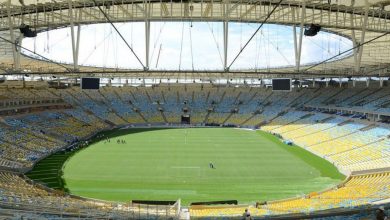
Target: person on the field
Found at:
x=211, y=165
x=247, y=215
x=380, y=214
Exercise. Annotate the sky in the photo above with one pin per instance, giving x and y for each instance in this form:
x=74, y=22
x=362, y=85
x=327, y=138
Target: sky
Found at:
x=186, y=46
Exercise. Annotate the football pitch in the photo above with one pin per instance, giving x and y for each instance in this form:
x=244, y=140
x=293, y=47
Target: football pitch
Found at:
x=167, y=164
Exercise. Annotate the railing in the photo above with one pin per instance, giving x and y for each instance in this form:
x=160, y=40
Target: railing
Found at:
x=90, y=209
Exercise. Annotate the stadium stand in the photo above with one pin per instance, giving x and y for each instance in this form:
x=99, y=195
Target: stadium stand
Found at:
x=219, y=70
x=357, y=146
x=18, y=192
x=356, y=191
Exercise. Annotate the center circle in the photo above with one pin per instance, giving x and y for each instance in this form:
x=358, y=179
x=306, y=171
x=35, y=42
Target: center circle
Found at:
x=193, y=164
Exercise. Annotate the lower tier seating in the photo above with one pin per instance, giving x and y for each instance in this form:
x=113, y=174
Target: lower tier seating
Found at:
x=356, y=191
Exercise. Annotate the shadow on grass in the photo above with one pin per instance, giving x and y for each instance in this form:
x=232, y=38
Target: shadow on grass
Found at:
x=49, y=171
x=326, y=168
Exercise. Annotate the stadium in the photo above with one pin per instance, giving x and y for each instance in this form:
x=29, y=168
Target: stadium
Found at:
x=201, y=109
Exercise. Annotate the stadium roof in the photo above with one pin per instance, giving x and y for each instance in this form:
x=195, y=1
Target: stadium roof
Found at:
x=365, y=22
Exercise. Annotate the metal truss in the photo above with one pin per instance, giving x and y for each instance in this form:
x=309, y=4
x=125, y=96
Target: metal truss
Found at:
x=358, y=20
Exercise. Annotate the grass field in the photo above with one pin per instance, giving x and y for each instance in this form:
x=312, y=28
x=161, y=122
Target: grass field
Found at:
x=166, y=164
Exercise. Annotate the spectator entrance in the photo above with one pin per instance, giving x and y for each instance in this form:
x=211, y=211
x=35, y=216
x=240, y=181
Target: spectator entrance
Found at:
x=185, y=119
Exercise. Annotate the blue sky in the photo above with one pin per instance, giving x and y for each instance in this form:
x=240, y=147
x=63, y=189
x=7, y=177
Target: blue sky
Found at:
x=199, y=43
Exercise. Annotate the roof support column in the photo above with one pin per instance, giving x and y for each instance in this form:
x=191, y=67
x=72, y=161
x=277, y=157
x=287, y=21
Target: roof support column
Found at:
x=147, y=34
x=353, y=37
x=358, y=51
x=19, y=51
x=300, y=81
x=225, y=35
x=298, y=42
x=225, y=44
x=340, y=82
x=12, y=36
x=363, y=34
x=75, y=38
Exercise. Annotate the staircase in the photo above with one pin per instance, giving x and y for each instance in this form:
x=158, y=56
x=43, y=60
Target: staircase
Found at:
x=291, y=122
x=315, y=95
x=227, y=118
x=326, y=101
x=344, y=123
x=353, y=95
x=252, y=116
x=149, y=98
x=237, y=97
x=142, y=116
x=206, y=117
x=108, y=106
x=163, y=116
x=208, y=96
x=251, y=98
x=222, y=97
x=163, y=96
x=362, y=100
x=368, y=127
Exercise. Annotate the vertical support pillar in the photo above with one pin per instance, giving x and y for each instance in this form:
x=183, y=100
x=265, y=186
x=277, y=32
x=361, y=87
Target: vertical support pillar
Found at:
x=303, y=15
x=12, y=34
x=19, y=51
x=225, y=35
x=78, y=45
x=362, y=37
x=147, y=35
x=298, y=42
x=358, y=52
x=340, y=82
x=75, y=39
x=147, y=43
x=225, y=44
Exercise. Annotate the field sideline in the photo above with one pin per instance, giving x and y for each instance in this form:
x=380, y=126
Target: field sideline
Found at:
x=167, y=164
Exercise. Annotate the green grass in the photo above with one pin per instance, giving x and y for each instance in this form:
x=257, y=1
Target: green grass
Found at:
x=167, y=164
x=49, y=171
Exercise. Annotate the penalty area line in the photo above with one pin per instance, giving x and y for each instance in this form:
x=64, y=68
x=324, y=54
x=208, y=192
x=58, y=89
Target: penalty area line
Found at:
x=185, y=167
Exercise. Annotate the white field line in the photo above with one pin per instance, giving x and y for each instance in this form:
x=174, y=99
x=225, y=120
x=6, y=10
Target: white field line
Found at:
x=185, y=167
x=246, y=129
